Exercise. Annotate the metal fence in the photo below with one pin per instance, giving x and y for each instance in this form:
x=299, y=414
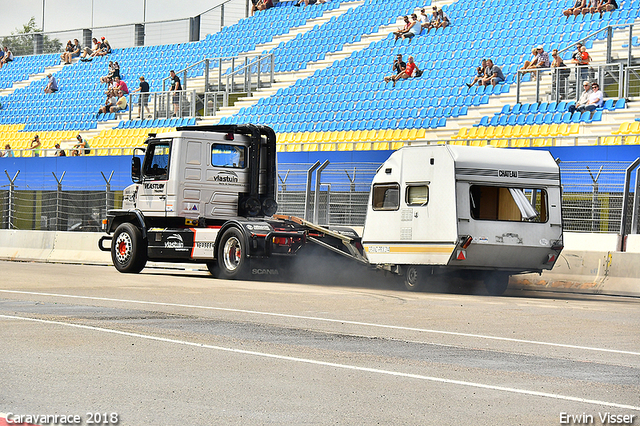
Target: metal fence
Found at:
x=121, y=36
x=331, y=193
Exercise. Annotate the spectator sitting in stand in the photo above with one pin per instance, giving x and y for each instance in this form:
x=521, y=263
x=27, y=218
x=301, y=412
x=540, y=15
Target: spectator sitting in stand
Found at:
x=407, y=72
x=75, y=53
x=414, y=30
x=143, y=100
x=121, y=85
x=398, y=66
x=480, y=74
x=404, y=29
x=606, y=6
x=7, y=57
x=443, y=20
x=494, y=74
x=110, y=101
x=81, y=147
x=577, y=54
x=59, y=152
x=52, y=85
x=596, y=99
x=424, y=19
x=7, y=151
x=87, y=55
x=121, y=103
x=584, y=97
x=261, y=5
x=576, y=9
x=103, y=49
x=105, y=78
x=67, y=50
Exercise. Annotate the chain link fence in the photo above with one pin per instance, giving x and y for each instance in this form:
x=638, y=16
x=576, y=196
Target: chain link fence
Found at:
x=592, y=197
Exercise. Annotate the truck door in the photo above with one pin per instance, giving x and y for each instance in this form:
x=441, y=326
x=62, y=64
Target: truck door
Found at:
x=152, y=195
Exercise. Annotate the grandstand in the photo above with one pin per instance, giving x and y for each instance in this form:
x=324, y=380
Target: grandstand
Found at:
x=328, y=92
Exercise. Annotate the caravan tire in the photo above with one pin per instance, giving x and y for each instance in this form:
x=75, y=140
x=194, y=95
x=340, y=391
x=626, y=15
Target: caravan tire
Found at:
x=232, y=255
x=496, y=284
x=414, y=278
x=128, y=249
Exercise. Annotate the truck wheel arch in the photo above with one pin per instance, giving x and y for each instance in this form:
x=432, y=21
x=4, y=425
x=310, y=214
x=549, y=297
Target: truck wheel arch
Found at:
x=135, y=217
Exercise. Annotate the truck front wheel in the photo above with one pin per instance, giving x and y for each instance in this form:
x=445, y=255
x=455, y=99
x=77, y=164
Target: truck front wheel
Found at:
x=128, y=249
x=232, y=256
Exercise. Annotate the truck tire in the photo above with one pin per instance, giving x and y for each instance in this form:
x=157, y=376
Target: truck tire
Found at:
x=414, y=278
x=213, y=269
x=128, y=249
x=496, y=284
x=232, y=255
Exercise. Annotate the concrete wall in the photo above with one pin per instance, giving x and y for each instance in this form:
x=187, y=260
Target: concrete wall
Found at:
x=588, y=264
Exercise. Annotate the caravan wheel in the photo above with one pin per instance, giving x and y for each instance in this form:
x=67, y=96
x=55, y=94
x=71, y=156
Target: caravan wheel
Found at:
x=414, y=278
x=497, y=283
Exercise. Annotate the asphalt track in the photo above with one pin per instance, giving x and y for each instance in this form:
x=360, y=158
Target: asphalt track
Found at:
x=170, y=347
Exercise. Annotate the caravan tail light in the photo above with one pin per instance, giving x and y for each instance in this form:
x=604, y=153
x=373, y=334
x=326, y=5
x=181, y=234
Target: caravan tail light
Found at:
x=466, y=241
x=551, y=258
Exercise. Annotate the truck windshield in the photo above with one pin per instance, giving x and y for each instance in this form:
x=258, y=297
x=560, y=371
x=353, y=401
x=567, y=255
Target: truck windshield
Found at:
x=156, y=161
x=508, y=203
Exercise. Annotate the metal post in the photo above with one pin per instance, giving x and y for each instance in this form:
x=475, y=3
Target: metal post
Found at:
x=233, y=78
x=594, y=196
x=328, y=203
x=625, y=204
x=636, y=206
x=107, y=191
x=273, y=67
x=620, y=80
x=609, y=43
x=130, y=104
x=206, y=75
x=307, y=193
x=258, y=72
x=316, y=199
x=539, y=77
x=630, y=43
x=192, y=109
x=222, y=16
x=58, y=199
x=518, y=80
x=12, y=188
x=220, y=75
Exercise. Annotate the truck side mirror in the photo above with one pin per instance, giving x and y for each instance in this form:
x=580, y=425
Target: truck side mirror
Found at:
x=136, y=175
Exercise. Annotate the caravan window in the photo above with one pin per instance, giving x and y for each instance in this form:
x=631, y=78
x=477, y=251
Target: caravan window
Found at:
x=417, y=195
x=386, y=196
x=508, y=204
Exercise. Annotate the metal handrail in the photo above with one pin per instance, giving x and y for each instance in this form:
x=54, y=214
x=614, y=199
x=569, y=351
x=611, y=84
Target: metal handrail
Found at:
x=247, y=75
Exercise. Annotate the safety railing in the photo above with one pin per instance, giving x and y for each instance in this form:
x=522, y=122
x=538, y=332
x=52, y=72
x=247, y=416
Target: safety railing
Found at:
x=165, y=104
x=565, y=84
x=237, y=74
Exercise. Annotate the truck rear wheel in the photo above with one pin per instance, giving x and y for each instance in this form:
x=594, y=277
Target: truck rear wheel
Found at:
x=496, y=284
x=414, y=278
x=128, y=249
x=232, y=256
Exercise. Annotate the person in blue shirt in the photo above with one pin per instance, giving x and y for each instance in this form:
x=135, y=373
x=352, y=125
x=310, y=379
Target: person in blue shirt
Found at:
x=52, y=85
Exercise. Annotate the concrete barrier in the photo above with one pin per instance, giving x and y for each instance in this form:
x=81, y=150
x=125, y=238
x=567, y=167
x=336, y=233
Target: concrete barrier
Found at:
x=589, y=263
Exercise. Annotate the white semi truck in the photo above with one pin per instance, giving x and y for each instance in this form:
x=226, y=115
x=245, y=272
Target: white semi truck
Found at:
x=206, y=194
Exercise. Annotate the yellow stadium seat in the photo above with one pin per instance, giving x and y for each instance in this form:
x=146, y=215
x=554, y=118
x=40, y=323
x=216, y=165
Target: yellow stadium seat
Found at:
x=553, y=129
x=574, y=129
x=371, y=135
x=632, y=140
x=498, y=132
x=363, y=146
x=342, y=136
x=534, y=130
x=458, y=142
x=507, y=132
x=612, y=140
x=472, y=133
x=634, y=128
x=357, y=135
x=348, y=137
x=482, y=131
x=421, y=134
x=542, y=142
x=309, y=146
x=294, y=147
x=623, y=129
x=525, y=131
x=462, y=133
x=502, y=143
x=395, y=135
x=478, y=142
x=384, y=135
x=413, y=133
x=304, y=136
x=404, y=134
x=490, y=132
x=381, y=145
x=397, y=145
x=280, y=148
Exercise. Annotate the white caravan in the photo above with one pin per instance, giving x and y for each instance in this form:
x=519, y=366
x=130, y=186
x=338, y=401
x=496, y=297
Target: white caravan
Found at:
x=481, y=213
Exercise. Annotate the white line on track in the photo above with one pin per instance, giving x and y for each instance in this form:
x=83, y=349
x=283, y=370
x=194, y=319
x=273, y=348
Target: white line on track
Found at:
x=332, y=364
x=330, y=320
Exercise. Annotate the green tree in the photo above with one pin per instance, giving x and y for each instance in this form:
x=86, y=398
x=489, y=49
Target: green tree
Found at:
x=21, y=40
